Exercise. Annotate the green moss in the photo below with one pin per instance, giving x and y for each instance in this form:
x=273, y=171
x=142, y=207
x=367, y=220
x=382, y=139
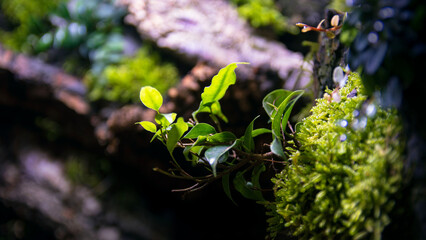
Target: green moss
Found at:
x=341, y=183
x=263, y=13
x=123, y=81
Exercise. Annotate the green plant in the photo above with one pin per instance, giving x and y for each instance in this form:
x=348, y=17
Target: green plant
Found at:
x=119, y=82
x=30, y=18
x=263, y=13
x=221, y=152
x=341, y=182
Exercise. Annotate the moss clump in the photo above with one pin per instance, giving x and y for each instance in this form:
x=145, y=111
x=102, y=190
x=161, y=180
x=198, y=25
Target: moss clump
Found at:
x=341, y=183
x=123, y=81
x=263, y=13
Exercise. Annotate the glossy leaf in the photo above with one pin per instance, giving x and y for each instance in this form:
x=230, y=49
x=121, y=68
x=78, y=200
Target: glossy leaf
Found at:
x=220, y=84
x=175, y=133
x=223, y=137
x=260, y=131
x=194, y=149
x=165, y=119
x=201, y=129
x=271, y=101
x=250, y=189
x=213, y=93
x=226, y=187
x=217, y=154
x=277, y=148
x=279, y=121
x=248, y=141
x=151, y=98
x=149, y=126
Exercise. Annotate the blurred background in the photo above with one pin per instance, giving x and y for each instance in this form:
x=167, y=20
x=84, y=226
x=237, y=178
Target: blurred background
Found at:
x=73, y=165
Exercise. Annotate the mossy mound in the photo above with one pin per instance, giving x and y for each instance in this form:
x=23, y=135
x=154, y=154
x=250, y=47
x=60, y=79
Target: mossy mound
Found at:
x=341, y=183
x=122, y=82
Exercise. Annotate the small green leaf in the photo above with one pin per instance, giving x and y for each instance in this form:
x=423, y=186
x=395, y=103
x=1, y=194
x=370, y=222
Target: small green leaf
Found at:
x=271, y=101
x=217, y=154
x=223, y=137
x=165, y=119
x=157, y=135
x=226, y=188
x=248, y=141
x=149, y=126
x=175, y=133
x=285, y=106
x=246, y=188
x=201, y=129
x=194, y=149
x=277, y=148
x=257, y=170
x=260, y=131
x=151, y=98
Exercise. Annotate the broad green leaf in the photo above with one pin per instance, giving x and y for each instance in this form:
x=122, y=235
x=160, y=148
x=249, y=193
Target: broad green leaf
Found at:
x=201, y=129
x=285, y=106
x=165, y=119
x=271, y=101
x=149, y=126
x=217, y=154
x=213, y=93
x=248, y=141
x=151, y=98
x=246, y=188
x=277, y=148
x=175, y=133
x=226, y=188
x=260, y=131
x=220, y=84
x=223, y=137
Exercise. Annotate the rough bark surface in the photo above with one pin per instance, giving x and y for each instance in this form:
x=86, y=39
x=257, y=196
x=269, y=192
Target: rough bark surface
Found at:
x=197, y=31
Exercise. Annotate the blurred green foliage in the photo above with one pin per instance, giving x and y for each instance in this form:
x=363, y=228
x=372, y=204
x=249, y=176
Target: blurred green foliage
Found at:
x=339, y=5
x=30, y=18
x=263, y=13
x=87, y=35
x=80, y=170
x=341, y=183
x=121, y=82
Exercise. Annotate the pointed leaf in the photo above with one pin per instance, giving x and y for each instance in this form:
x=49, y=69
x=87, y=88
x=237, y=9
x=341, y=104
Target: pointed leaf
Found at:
x=246, y=188
x=271, y=101
x=213, y=93
x=277, y=148
x=151, y=98
x=277, y=119
x=255, y=176
x=149, y=126
x=260, y=131
x=201, y=129
x=248, y=141
x=226, y=188
x=223, y=137
x=165, y=119
x=220, y=84
x=217, y=154
x=194, y=149
x=175, y=133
